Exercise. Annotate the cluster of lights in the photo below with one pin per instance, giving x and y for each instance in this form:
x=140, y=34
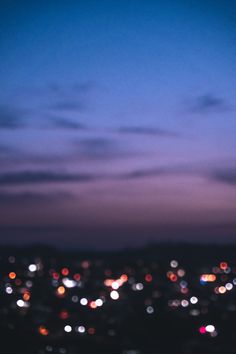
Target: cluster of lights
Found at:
x=208, y=329
x=65, y=283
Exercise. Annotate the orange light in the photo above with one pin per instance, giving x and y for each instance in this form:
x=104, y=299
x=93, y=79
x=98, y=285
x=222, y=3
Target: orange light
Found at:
x=108, y=282
x=124, y=278
x=222, y=290
x=173, y=277
x=26, y=296
x=208, y=278
x=12, y=275
x=93, y=305
x=43, y=330
x=61, y=290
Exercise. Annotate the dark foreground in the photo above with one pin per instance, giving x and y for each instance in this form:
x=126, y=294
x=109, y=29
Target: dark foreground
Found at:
x=156, y=300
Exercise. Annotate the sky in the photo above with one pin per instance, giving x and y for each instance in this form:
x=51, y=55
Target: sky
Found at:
x=117, y=122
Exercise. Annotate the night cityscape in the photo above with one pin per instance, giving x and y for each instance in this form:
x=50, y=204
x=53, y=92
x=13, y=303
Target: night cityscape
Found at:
x=117, y=177
x=136, y=301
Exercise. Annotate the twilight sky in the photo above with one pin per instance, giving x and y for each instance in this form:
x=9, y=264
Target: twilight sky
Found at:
x=117, y=121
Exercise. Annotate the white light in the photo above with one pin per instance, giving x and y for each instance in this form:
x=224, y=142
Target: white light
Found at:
x=210, y=328
x=32, y=268
x=20, y=303
x=194, y=300
x=9, y=290
x=139, y=286
x=114, y=295
x=67, y=329
x=115, y=285
x=69, y=283
x=174, y=264
x=99, y=302
x=83, y=301
x=184, y=303
x=80, y=329
x=229, y=286
x=150, y=310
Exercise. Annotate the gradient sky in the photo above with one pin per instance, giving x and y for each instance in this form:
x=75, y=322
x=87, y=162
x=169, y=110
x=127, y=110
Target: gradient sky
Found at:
x=117, y=121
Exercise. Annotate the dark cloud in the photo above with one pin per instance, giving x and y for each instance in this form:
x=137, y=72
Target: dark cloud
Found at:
x=69, y=105
x=139, y=130
x=67, y=124
x=4, y=149
x=227, y=176
x=41, y=177
x=31, y=198
x=10, y=118
x=208, y=103
x=158, y=171
x=100, y=148
x=142, y=173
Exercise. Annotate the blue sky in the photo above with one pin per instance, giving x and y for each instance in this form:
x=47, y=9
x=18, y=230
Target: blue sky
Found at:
x=118, y=118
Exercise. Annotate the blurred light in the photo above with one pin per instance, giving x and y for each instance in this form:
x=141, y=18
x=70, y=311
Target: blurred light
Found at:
x=12, y=275
x=223, y=265
x=55, y=275
x=77, y=276
x=65, y=271
x=202, y=330
x=184, y=303
x=99, y=302
x=61, y=290
x=229, y=286
x=108, y=282
x=69, y=283
x=150, y=310
x=75, y=298
x=139, y=286
x=124, y=278
x=9, y=290
x=114, y=295
x=26, y=296
x=29, y=284
x=43, y=330
x=91, y=330
x=208, y=278
x=85, y=264
x=115, y=285
x=67, y=329
x=210, y=328
x=80, y=329
x=83, y=301
x=194, y=312
x=174, y=263
x=93, y=305
x=194, y=300
x=148, y=278
x=20, y=303
x=181, y=273
x=183, y=284
x=64, y=315
x=222, y=289
x=32, y=268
